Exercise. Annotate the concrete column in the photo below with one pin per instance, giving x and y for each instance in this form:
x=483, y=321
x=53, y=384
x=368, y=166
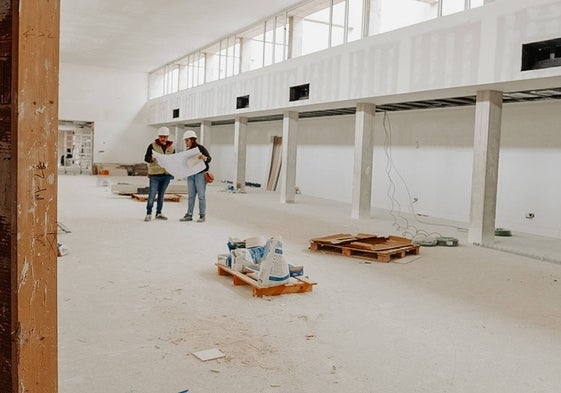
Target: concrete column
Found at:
x=487, y=135
x=177, y=137
x=29, y=61
x=206, y=139
x=240, y=149
x=362, y=174
x=288, y=163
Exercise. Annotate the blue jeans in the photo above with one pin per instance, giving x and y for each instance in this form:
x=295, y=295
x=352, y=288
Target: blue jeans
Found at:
x=196, y=186
x=158, y=185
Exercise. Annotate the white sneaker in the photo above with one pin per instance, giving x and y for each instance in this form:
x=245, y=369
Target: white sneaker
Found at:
x=161, y=217
x=148, y=217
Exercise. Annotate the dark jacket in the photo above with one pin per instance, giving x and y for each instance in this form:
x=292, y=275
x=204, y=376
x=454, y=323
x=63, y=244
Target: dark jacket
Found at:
x=153, y=167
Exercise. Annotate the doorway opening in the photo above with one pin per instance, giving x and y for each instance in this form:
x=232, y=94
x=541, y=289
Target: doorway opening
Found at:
x=75, y=146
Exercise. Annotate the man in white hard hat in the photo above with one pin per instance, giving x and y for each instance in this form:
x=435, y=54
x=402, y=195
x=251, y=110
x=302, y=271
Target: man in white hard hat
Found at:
x=196, y=184
x=159, y=177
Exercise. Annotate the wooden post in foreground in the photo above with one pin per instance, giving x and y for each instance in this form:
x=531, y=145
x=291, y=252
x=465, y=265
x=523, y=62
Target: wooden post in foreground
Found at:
x=29, y=57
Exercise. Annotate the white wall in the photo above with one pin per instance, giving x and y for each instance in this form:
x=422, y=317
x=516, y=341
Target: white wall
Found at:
x=445, y=57
x=115, y=100
x=432, y=151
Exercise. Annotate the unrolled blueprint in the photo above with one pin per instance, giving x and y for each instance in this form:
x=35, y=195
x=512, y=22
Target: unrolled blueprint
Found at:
x=183, y=164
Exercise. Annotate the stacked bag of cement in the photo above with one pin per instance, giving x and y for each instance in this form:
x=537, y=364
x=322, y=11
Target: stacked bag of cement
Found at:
x=263, y=258
x=274, y=269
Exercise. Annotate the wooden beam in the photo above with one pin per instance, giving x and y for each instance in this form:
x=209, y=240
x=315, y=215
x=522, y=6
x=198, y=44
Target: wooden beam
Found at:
x=29, y=51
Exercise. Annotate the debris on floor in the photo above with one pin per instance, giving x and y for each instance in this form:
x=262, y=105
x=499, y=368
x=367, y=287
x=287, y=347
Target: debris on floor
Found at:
x=503, y=232
x=262, y=265
x=209, y=354
x=62, y=250
x=167, y=197
x=63, y=227
x=365, y=246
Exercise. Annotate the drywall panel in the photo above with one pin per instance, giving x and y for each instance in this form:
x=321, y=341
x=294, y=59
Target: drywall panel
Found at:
x=453, y=55
x=423, y=161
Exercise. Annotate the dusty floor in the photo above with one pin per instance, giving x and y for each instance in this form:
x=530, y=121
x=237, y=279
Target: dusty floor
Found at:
x=136, y=299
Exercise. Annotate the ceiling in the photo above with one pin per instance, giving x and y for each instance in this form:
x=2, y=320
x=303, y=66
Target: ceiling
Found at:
x=143, y=35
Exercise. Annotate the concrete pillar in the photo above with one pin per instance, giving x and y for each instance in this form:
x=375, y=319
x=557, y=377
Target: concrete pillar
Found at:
x=288, y=163
x=206, y=139
x=487, y=135
x=362, y=174
x=240, y=149
x=29, y=64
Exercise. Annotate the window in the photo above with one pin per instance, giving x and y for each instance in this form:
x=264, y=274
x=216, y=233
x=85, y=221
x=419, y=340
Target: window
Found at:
x=265, y=44
x=171, y=78
x=387, y=15
x=229, y=57
x=322, y=24
x=338, y=18
x=310, y=27
x=315, y=31
x=452, y=6
x=156, y=84
x=354, y=20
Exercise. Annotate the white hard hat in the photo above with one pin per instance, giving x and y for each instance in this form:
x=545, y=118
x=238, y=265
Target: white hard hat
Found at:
x=189, y=134
x=163, y=131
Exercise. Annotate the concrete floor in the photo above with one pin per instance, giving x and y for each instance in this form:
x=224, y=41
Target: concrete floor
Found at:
x=136, y=299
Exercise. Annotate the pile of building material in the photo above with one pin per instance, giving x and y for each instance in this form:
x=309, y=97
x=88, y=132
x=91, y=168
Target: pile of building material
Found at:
x=262, y=265
x=365, y=246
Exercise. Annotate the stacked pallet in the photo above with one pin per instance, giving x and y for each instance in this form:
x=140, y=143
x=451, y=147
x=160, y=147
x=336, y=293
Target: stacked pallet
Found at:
x=365, y=246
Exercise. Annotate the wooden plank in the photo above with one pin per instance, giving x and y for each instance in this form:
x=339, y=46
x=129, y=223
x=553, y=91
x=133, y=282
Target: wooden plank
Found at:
x=387, y=245
x=342, y=238
x=335, y=239
x=298, y=285
x=167, y=197
x=371, y=247
x=275, y=165
x=29, y=69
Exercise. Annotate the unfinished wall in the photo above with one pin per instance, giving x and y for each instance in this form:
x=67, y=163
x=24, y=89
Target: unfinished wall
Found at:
x=443, y=57
x=432, y=150
x=115, y=101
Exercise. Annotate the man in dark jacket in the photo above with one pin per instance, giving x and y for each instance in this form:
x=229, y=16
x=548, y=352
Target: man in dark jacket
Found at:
x=159, y=178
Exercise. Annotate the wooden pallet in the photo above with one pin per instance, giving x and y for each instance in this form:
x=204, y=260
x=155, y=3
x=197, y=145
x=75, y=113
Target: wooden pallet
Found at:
x=297, y=285
x=167, y=197
x=366, y=246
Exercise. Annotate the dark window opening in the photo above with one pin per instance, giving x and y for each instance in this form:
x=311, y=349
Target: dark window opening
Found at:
x=242, y=102
x=543, y=54
x=176, y=113
x=301, y=92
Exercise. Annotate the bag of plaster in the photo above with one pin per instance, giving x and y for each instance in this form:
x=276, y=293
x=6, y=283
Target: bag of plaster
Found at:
x=273, y=270
x=241, y=257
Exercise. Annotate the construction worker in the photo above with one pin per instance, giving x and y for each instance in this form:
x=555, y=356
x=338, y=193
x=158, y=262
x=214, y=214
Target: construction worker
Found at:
x=159, y=178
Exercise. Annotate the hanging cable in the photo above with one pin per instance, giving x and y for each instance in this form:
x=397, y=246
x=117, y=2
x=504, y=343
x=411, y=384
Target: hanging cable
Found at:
x=400, y=222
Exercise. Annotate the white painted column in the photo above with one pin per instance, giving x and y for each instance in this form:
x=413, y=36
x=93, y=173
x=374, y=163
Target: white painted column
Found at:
x=240, y=149
x=178, y=137
x=205, y=139
x=288, y=161
x=362, y=174
x=487, y=138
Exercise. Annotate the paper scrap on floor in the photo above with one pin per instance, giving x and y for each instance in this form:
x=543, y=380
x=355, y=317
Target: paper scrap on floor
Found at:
x=209, y=354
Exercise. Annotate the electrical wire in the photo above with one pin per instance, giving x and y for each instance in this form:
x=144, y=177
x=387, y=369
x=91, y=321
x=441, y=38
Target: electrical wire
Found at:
x=400, y=222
